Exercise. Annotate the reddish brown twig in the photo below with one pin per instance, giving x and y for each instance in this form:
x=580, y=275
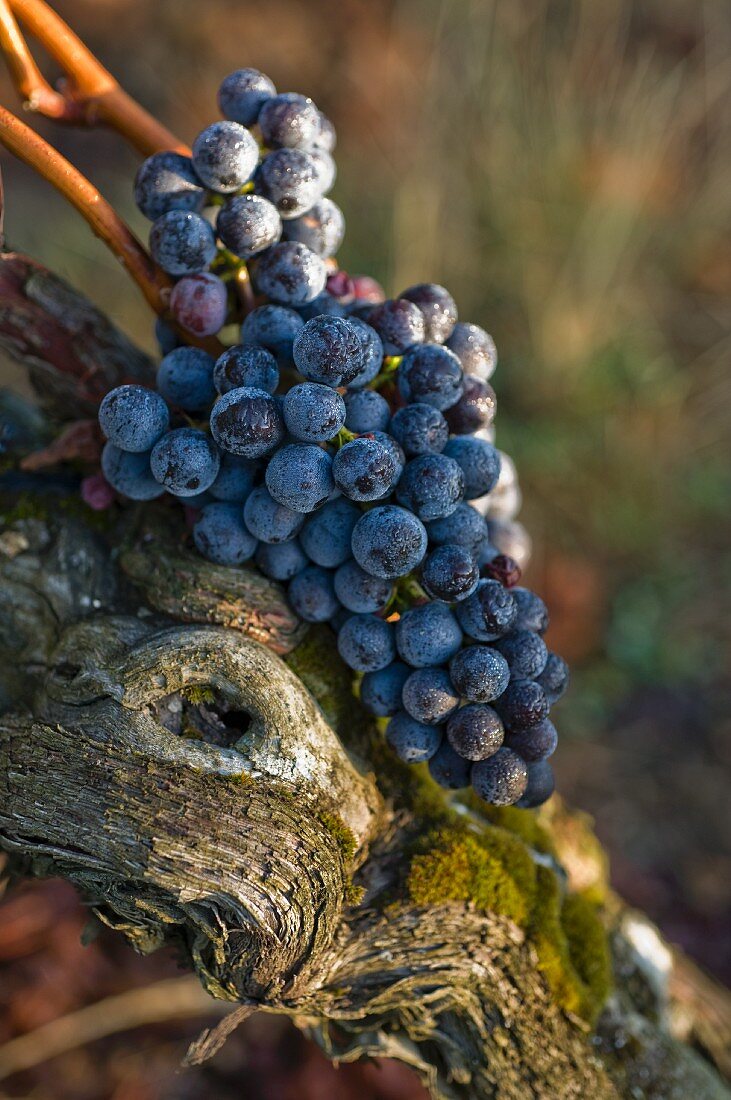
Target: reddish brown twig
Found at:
x=32, y=86
x=29, y=147
x=91, y=95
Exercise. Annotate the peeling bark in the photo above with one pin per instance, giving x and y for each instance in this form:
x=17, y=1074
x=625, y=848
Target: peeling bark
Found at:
x=74, y=353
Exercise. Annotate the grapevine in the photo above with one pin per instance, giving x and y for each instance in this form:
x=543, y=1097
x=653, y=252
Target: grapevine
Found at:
x=339, y=441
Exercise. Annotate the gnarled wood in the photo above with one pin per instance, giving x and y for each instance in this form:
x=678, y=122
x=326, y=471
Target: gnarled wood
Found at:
x=185, y=780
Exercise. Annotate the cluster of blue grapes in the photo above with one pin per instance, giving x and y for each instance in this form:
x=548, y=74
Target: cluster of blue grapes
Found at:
x=345, y=445
x=253, y=190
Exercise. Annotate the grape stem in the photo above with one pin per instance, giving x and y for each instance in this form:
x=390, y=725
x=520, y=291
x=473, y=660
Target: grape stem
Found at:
x=30, y=147
x=90, y=95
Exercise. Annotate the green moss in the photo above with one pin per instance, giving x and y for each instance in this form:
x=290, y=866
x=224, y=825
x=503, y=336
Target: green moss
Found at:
x=198, y=693
x=495, y=871
x=549, y=939
x=340, y=832
x=572, y=947
x=353, y=894
x=589, y=950
x=522, y=823
x=327, y=679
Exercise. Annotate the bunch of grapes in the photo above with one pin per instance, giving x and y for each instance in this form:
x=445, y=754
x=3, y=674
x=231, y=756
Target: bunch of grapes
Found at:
x=345, y=446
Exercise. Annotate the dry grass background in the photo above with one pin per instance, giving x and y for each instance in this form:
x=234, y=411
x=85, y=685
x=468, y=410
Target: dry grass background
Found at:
x=563, y=166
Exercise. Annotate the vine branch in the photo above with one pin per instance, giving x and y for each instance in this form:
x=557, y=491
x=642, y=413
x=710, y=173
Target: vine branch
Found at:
x=90, y=96
x=106, y=224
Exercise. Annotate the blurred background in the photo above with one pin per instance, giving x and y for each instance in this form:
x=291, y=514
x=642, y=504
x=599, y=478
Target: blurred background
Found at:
x=564, y=168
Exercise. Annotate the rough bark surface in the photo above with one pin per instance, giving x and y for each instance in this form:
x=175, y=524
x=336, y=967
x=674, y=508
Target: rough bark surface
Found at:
x=158, y=754
x=73, y=351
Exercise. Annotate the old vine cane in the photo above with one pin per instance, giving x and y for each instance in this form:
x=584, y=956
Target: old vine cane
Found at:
x=158, y=753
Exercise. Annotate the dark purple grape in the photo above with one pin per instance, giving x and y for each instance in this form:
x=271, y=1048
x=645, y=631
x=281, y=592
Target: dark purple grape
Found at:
x=429, y=696
x=328, y=350
x=399, y=323
x=270, y=521
x=243, y=365
x=522, y=704
x=366, y=643
x=412, y=741
x=312, y=595
x=291, y=180
x=326, y=536
x=242, y=95
x=479, y=461
x=535, y=743
x=359, y=591
x=501, y=779
x=431, y=375
x=185, y=379
x=313, y=413
x=366, y=411
x=221, y=535
x=281, y=561
x=364, y=469
x=532, y=613
x=185, y=461
x=428, y=635
x=247, y=224
x=525, y=653
x=488, y=613
x=182, y=242
x=247, y=421
x=450, y=573
x=463, y=527
x=540, y=786
x=235, y=478
x=475, y=731
x=273, y=328
x=225, y=156
x=389, y=542
x=166, y=181
x=129, y=473
x=380, y=691
x=475, y=409
x=420, y=429
x=431, y=486
x=290, y=274
x=133, y=418
x=479, y=673
x=289, y=120
x=474, y=348
x=438, y=307
x=554, y=678
x=300, y=476
x=449, y=769
x=502, y=568
x=321, y=228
